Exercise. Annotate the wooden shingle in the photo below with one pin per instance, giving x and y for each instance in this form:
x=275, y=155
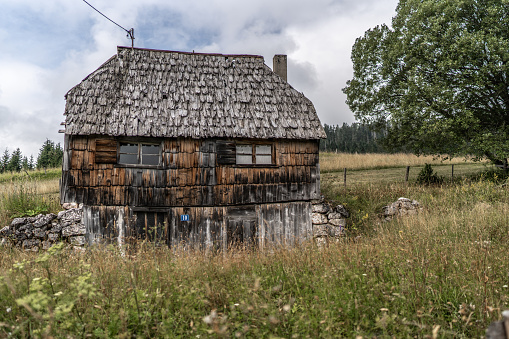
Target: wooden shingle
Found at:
x=154, y=93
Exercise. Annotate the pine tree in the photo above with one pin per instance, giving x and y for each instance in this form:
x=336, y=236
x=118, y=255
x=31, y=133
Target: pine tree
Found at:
x=31, y=164
x=4, y=161
x=24, y=163
x=44, y=157
x=14, y=164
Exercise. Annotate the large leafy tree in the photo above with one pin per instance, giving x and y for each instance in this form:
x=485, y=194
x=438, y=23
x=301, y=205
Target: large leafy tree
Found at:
x=437, y=80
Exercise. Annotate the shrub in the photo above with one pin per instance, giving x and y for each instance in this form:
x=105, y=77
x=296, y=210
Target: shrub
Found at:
x=494, y=175
x=428, y=177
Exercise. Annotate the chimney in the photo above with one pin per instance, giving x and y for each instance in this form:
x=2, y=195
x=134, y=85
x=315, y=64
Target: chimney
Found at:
x=279, y=65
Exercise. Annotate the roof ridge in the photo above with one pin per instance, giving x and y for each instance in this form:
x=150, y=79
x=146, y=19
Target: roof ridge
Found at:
x=191, y=53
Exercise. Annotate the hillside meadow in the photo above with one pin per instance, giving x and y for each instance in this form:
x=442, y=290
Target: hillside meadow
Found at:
x=439, y=274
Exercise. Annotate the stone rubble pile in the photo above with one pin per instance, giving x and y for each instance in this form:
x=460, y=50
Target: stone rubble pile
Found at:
x=42, y=231
x=329, y=222
x=403, y=206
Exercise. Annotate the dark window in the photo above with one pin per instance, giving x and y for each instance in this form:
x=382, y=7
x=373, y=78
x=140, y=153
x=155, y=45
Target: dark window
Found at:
x=151, y=226
x=130, y=153
x=253, y=154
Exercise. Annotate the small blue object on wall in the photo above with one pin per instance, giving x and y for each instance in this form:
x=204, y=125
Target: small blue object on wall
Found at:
x=184, y=217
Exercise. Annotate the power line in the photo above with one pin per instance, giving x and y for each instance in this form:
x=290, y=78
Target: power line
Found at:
x=130, y=32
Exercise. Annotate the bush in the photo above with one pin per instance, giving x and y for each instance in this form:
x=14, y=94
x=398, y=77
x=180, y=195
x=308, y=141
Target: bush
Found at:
x=494, y=175
x=428, y=177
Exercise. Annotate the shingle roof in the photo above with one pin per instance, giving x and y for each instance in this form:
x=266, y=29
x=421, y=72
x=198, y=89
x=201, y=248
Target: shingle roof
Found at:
x=141, y=92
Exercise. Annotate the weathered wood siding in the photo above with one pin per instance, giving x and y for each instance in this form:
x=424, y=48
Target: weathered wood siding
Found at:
x=208, y=227
x=226, y=203
x=193, y=173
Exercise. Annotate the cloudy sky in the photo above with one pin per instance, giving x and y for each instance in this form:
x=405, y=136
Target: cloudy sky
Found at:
x=47, y=47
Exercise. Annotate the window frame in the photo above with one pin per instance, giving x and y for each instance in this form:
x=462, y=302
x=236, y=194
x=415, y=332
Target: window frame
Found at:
x=254, y=154
x=139, y=153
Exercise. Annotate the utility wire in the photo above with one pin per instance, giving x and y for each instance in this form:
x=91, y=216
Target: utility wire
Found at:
x=130, y=32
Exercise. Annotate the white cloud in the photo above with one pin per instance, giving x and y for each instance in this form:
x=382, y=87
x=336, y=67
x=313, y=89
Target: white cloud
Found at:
x=50, y=46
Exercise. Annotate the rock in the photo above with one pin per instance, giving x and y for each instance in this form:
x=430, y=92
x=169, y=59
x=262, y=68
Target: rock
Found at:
x=337, y=222
x=53, y=236
x=25, y=228
x=342, y=210
x=78, y=241
x=40, y=232
x=335, y=215
x=72, y=215
x=73, y=230
x=403, y=206
x=56, y=229
x=337, y=232
x=321, y=230
x=31, y=243
x=69, y=205
x=5, y=231
x=17, y=222
x=318, y=218
x=44, y=220
x=47, y=244
x=321, y=208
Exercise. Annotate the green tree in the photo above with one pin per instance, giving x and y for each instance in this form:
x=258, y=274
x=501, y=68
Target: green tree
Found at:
x=438, y=80
x=15, y=163
x=50, y=155
x=24, y=164
x=57, y=156
x=44, y=157
x=4, y=162
x=31, y=164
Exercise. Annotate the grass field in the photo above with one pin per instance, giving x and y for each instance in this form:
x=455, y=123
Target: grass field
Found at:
x=334, y=162
x=439, y=274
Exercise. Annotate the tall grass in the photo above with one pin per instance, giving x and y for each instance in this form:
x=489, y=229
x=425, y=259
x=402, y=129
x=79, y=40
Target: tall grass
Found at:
x=48, y=174
x=330, y=162
x=27, y=197
x=441, y=273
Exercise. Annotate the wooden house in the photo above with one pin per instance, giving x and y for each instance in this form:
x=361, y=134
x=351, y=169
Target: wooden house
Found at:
x=187, y=148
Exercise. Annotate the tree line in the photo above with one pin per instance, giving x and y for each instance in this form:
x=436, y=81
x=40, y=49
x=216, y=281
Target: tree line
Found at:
x=50, y=156
x=355, y=138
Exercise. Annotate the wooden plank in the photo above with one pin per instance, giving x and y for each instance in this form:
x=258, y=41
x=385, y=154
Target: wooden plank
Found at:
x=106, y=145
x=105, y=157
x=79, y=143
x=225, y=151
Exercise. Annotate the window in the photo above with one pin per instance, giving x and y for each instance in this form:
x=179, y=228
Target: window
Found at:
x=132, y=153
x=254, y=154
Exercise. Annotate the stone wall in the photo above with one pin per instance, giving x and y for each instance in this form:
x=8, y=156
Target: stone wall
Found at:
x=329, y=221
x=42, y=231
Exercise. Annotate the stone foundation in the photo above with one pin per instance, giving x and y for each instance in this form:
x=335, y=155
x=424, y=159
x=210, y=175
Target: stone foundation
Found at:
x=42, y=231
x=329, y=221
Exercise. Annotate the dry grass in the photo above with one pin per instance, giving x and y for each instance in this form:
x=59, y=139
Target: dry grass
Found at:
x=22, y=194
x=439, y=274
x=331, y=162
